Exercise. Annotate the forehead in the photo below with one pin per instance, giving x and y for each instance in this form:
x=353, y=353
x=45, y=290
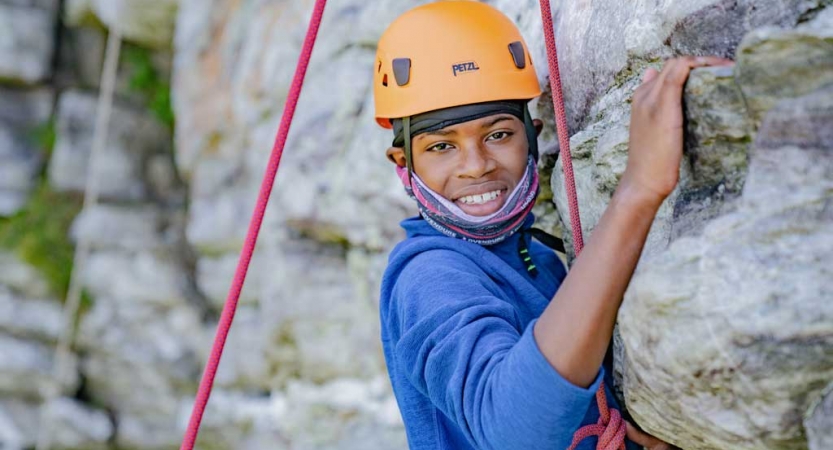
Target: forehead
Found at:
x=473, y=126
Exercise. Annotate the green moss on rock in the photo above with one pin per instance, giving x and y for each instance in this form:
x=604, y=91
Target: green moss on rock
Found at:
x=39, y=235
x=146, y=81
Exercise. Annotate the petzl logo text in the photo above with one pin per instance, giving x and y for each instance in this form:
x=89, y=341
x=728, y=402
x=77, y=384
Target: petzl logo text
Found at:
x=463, y=67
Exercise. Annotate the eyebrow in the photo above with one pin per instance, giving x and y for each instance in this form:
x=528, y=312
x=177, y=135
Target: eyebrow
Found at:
x=489, y=124
x=496, y=120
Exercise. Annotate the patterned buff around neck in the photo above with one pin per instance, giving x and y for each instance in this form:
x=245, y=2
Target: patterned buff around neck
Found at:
x=452, y=221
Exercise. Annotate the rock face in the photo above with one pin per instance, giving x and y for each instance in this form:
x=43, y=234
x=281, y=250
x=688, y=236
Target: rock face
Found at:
x=725, y=336
x=26, y=42
x=133, y=138
x=308, y=312
x=29, y=327
x=603, y=50
x=149, y=23
x=24, y=117
x=819, y=424
x=735, y=321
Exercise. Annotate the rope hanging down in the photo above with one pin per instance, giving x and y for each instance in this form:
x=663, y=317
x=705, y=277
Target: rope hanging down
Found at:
x=82, y=250
x=610, y=429
x=561, y=126
x=254, y=228
x=266, y=188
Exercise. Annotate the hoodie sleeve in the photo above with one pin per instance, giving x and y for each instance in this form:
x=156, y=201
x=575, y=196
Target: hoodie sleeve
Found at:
x=462, y=345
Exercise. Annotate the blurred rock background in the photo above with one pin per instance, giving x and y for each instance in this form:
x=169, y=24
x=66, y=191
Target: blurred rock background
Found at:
x=726, y=333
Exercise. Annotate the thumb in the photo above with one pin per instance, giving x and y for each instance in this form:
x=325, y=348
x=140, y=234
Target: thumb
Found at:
x=649, y=75
x=644, y=439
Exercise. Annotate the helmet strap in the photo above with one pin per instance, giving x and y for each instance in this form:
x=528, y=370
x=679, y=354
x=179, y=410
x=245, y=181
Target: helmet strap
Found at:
x=406, y=128
x=531, y=134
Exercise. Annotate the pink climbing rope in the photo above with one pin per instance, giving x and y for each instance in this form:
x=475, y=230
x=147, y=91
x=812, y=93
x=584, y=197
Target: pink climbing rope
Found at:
x=610, y=428
x=561, y=126
x=254, y=228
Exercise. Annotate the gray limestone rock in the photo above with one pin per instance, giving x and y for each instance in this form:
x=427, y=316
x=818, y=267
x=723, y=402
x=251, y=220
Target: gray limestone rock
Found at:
x=139, y=361
x=27, y=40
x=154, y=430
x=253, y=361
x=604, y=43
x=321, y=328
x=736, y=323
x=149, y=23
x=719, y=128
x=819, y=422
x=141, y=345
x=342, y=414
x=18, y=424
x=718, y=134
x=133, y=137
x=215, y=274
x=240, y=421
x=599, y=160
x=81, y=57
x=24, y=118
x=776, y=63
x=30, y=318
x=74, y=426
x=26, y=369
x=307, y=322
x=365, y=415
x=223, y=139
x=37, y=4
x=21, y=278
x=116, y=227
x=144, y=276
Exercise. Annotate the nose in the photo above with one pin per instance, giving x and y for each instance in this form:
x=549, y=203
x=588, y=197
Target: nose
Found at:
x=475, y=161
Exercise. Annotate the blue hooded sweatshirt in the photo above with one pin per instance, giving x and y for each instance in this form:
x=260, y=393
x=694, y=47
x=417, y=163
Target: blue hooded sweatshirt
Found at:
x=457, y=323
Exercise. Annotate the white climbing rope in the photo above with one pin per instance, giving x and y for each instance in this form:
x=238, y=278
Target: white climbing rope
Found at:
x=62, y=366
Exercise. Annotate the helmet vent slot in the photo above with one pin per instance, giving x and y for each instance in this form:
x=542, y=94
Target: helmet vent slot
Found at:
x=518, y=54
x=402, y=70
x=385, y=80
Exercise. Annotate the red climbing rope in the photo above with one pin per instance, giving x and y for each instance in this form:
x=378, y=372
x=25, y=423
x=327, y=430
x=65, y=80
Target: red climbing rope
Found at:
x=561, y=125
x=254, y=228
x=610, y=428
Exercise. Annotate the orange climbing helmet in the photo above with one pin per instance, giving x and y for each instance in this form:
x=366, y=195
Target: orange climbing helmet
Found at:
x=450, y=53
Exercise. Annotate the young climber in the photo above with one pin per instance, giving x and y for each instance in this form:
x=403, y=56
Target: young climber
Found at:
x=490, y=343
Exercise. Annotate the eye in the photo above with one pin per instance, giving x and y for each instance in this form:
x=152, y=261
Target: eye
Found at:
x=498, y=135
x=441, y=147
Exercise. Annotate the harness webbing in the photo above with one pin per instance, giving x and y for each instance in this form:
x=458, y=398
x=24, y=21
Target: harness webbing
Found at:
x=254, y=228
x=605, y=426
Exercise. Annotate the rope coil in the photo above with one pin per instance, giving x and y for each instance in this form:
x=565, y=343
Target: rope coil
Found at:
x=610, y=428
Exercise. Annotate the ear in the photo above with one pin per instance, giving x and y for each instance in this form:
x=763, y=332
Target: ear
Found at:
x=396, y=155
x=539, y=125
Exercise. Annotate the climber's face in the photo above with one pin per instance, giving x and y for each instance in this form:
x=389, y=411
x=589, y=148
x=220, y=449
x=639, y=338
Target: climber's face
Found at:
x=474, y=164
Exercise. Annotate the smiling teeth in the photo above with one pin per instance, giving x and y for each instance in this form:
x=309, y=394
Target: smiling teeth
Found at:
x=480, y=198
